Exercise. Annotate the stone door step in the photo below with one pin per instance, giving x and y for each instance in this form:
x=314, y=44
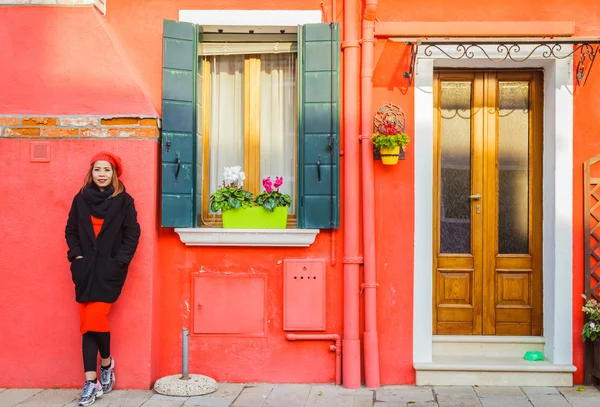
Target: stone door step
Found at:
x=488, y=346
x=492, y=371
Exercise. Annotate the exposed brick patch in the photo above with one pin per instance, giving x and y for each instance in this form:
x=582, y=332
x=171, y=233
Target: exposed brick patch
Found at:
x=98, y=133
x=79, y=127
x=75, y=2
x=61, y=2
x=79, y=121
x=122, y=121
x=134, y=133
x=40, y=121
x=149, y=122
x=58, y=132
x=9, y=121
x=21, y=132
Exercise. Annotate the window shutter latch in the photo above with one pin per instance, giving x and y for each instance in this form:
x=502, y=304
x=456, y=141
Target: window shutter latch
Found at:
x=178, y=161
x=319, y=170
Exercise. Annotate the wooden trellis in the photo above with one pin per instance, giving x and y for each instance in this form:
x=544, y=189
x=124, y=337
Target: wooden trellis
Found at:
x=591, y=200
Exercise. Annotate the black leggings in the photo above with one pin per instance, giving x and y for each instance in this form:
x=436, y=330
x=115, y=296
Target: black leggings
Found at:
x=91, y=343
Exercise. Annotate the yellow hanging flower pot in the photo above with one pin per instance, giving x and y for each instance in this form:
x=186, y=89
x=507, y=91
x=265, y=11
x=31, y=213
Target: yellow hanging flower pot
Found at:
x=391, y=147
x=389, y=156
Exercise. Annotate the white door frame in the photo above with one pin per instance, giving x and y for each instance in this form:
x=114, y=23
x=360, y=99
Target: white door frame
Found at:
x=557, y=194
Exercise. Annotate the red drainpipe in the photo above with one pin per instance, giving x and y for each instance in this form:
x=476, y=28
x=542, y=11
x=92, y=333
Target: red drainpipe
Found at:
x=351, y=259
x=370, y=340
x=337, y=348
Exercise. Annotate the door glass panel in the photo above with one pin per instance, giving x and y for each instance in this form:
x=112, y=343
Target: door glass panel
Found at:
x=455, y=168
x=513, y=168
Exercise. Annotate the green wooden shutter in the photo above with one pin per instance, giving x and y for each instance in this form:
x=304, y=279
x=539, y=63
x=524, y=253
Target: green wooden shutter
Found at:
x=318, y=126
x=180, y=66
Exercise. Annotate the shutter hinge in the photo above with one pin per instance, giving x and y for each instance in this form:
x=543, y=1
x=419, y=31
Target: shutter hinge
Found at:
x=331, y=144
x=331, y=224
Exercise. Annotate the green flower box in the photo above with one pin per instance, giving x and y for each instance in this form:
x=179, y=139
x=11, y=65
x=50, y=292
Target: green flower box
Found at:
x=255, y=217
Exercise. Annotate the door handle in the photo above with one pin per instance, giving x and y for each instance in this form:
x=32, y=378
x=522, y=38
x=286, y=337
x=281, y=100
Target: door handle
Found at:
x=475, y=197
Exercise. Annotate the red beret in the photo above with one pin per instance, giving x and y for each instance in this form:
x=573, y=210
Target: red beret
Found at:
x=113, y=159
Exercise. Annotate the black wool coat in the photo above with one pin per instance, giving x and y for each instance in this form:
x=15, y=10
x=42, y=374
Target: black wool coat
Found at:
x=101, y=273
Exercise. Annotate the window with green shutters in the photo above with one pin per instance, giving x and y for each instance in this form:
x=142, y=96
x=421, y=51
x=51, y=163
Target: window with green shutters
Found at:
x=311, y=85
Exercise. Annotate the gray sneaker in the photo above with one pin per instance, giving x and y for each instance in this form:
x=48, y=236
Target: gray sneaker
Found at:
x=107, y=377
x=89, y=393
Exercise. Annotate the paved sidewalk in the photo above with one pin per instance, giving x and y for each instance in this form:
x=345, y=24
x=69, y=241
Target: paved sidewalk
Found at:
x=304, y=395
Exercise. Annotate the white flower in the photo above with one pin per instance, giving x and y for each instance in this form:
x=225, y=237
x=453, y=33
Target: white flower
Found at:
x=233, y=175
x=592, y=326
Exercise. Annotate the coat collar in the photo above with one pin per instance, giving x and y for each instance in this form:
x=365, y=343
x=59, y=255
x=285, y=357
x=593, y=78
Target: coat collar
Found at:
x=112, y=211
x=86, y=220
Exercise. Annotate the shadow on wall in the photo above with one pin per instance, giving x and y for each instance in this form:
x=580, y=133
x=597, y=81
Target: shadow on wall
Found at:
x=391, y=65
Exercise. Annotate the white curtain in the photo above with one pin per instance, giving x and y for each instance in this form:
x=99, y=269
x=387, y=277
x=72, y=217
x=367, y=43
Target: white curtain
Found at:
x=226, y=116
x=278, y=121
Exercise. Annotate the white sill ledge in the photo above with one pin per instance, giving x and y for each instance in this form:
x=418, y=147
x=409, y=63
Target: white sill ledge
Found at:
x=247, y=237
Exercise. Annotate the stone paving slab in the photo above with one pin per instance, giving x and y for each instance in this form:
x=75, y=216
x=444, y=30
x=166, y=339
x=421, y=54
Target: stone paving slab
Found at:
x=51, y=398
x=404, y=394
x=288, y=395
x=111, y=399
x=505, y=402
x=254, y=395
x=536, y=391
x=11, y=397
x=508, y=391
x=458, y=400
x=548, y=400
x=320, y=395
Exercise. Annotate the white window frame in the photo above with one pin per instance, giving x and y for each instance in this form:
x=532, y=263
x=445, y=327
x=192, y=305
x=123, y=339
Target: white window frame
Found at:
x=257, y=22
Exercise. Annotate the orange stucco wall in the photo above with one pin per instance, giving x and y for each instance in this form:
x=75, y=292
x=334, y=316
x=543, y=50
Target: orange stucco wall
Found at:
x=138, y=29
x=147, y=322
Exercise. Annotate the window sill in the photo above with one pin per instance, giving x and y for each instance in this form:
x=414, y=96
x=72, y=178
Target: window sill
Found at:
x=247, y=237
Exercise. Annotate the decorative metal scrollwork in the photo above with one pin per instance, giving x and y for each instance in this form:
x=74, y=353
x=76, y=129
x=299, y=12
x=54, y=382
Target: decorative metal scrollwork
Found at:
x=389, y=113
x=583, y=53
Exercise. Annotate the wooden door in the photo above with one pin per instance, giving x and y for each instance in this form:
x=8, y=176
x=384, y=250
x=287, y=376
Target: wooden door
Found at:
x=487, y=218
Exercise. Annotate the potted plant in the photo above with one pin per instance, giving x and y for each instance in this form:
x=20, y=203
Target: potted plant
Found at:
x=390, y=141
x=241, y=210
x=591, y=329
x=231, y=195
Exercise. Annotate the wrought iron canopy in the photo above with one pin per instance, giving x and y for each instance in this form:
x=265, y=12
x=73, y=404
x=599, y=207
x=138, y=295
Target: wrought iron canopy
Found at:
x=583, y=50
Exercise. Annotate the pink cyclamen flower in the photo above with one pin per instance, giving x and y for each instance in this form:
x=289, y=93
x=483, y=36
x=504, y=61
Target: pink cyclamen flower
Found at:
x=267, y=184
x=278, y=182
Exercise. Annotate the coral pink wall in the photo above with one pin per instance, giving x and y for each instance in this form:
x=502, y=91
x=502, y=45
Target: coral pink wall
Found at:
x=39, y=317
x=59, y=60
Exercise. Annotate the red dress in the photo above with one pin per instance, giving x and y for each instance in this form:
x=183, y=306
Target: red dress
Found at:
x=93, y=315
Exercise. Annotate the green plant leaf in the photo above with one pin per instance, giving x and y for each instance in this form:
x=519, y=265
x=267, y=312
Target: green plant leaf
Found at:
x=392, y=141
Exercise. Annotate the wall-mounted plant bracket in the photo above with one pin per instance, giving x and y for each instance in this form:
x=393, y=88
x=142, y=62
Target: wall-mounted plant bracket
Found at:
x=388, y=113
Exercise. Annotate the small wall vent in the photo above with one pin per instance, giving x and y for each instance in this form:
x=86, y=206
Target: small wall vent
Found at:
x=40, y=152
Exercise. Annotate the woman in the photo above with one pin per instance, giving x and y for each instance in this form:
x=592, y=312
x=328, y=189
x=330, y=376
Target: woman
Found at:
x=102, y=234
